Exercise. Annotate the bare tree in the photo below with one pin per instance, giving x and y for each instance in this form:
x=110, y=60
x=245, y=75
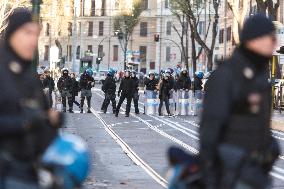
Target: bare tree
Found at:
x=193, y=10
x=268, y=6
x=125, y=23
x=6, y=8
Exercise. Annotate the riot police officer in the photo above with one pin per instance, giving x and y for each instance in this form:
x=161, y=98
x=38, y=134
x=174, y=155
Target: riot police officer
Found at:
x=109, y=88
x=184, y=81
x=87, y=82
x=164, y=93
x=64, y=86
x=27, y=125
x=151, y=83
x=136, y=91
x=237, y=149
x=126, y=91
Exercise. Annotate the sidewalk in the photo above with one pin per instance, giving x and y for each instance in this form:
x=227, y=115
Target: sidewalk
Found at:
x=278, y=121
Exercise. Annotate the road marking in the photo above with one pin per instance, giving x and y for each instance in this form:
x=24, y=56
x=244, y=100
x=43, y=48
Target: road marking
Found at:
x=131, y=154
x=186, y=146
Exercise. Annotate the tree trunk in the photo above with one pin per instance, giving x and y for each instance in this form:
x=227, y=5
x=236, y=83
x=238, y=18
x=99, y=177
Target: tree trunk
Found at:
x=210, y=61
x=193, y=50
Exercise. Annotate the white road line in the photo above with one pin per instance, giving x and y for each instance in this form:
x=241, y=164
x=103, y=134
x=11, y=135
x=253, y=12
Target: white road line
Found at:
x=186, y=146
x=131, y=154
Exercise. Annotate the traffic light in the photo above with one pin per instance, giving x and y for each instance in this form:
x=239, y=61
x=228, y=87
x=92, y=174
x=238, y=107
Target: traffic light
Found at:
x=99, y=59
x=156, y=38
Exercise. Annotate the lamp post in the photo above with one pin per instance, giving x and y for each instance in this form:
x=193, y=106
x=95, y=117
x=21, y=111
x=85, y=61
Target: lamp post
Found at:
x=36, y=15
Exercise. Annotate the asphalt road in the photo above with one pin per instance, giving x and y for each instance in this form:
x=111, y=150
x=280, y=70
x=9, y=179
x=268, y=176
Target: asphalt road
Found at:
x=131, y=152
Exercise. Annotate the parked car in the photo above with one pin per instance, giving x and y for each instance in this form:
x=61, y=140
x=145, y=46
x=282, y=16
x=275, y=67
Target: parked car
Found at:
x=101, y=76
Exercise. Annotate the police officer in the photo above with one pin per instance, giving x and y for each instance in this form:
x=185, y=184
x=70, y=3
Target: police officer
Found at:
x=49, y=86
x=87, y=82
x=184, y=81
x=164, y=93
x=136, y=91
x=64, y=86
x=126, y=91
x=151, y=83
x=109, y=88
x=75, y=89
x=27, y=125
x=237, y=149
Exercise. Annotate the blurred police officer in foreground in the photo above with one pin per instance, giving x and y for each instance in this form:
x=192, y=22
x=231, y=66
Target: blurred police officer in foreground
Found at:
x=109, y=88
x=27, y=125
x=237, y=148
x=136, y=91
x=64, y=86
x=126, y=89
x=87, y=82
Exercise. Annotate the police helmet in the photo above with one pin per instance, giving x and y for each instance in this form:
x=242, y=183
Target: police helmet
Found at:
x=151, y=73
x=69, y=159
x=111, y=72
x=90, y=72
x=199, y=74
x=40, y=71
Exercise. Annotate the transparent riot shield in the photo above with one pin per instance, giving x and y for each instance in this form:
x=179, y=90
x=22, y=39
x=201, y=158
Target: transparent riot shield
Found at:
x=198, y=101
x=184, y=102
x=151, y=102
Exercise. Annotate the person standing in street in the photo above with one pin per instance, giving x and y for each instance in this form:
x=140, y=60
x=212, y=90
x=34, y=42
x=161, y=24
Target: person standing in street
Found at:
x=28, y=126
x=49, y=87
x=136, y=91
x=151, y=83
x=184, y=81
x=164, y=93
x=109, y=88
x=126, y=89
x=75, y=89
x=87, y=82
x=236, y=147
x=64, y=86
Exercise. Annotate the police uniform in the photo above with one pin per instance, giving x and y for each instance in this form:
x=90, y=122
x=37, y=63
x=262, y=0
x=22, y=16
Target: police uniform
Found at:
x=126, y=89
x=25, y=131
x=109, y=88
x=136, y=94
x=86, y=84
x=64, y=85
x=237, y=149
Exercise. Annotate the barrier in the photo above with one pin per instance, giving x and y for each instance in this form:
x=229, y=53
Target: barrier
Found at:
x=184, y=102
x=151, y=102
x=197, y=103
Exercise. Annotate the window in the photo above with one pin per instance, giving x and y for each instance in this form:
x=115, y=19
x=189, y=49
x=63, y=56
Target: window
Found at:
x=90, y=48
x=46, y=53
x=115, y=53
x=169, y=28
x=229, y=33
x=101, y=51
x=152, y=65
x=69, y=29
x=168, y=54
x=221, y=36
x=101, y=28
x=90, y=29
x=143, y=53
x=143, y=29
x=116, y=4
x=167, y=4
x=78, y=52
x=47, y=29
x=69, y=52
x=201, y=28
x=144, y=4
x=93, y=8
